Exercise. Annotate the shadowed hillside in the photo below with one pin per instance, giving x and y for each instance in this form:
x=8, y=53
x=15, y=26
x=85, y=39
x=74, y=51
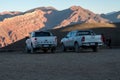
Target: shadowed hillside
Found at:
x=109, y=30
x=113, y=17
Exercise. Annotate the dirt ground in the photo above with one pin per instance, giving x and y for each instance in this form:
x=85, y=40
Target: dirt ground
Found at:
x=87, y=65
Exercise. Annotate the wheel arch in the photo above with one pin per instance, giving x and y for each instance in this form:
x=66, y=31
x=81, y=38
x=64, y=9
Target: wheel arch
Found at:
x=75, y=42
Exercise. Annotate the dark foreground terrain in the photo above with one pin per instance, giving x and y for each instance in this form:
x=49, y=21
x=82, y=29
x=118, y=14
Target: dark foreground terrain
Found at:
x=87, y=65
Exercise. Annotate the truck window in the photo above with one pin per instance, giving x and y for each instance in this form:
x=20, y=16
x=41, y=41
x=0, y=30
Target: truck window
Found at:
x=69, y=34
x=39, y=34
x=83, y=33
x=92, y=33
x=32, y=34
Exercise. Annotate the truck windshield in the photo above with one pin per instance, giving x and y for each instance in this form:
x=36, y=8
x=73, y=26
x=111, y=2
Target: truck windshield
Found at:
x=38, y=34
x=84, y=33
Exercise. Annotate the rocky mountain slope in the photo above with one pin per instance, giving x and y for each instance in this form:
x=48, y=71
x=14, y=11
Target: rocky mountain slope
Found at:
x=80, y=15
x=18, y=25
x=8, y=14
x=16, y=28
x=114, y=17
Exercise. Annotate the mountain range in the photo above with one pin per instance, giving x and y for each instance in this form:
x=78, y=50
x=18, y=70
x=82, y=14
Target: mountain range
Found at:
x=16, y=25
x=113, y=17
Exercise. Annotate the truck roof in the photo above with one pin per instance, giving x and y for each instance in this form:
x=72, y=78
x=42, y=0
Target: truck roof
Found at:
x=40, y=31
x=82, y=30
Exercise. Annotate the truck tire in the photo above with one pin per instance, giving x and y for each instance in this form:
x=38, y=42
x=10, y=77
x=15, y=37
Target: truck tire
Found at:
x=63, y=49
x=26, y=49
x=32, y=49
x=76, y=47
x=53, y=50
x=94, y=48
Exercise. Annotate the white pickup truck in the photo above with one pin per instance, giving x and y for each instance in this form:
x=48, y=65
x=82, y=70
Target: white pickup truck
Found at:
x=43, y=40
x=79, y=39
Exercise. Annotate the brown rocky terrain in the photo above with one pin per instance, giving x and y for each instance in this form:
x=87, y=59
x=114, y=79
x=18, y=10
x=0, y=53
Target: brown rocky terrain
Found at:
x=80, y=15
x=17, y=27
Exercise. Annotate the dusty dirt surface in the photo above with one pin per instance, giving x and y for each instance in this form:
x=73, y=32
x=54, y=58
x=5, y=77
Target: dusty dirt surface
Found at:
x=87, y=65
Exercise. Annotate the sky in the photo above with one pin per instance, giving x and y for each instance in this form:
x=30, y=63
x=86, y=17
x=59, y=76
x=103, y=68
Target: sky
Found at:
x=96, y=6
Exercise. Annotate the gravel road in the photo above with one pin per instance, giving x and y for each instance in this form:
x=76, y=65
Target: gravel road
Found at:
x=87, y=65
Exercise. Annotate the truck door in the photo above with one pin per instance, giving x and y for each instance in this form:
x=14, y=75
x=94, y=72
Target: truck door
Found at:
x=71, y=39
x=67, y=40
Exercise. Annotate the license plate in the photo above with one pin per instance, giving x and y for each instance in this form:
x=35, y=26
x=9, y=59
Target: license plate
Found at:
x=46, y=45
x=92, y=43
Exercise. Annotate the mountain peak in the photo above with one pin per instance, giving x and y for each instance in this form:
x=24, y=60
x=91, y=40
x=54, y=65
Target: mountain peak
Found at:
x=76, y=8
x=45, y=9
x=10, y=12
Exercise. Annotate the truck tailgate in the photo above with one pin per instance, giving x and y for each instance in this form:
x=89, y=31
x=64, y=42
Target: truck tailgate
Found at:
x=46, y=40
x=93, y=38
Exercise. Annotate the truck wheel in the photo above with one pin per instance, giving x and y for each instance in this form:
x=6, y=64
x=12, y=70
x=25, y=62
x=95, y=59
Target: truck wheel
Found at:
x=52, y=50
x=77, y=48
x=26, y=49
x=95, y=49
x=63, y=49
x=32, y=49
